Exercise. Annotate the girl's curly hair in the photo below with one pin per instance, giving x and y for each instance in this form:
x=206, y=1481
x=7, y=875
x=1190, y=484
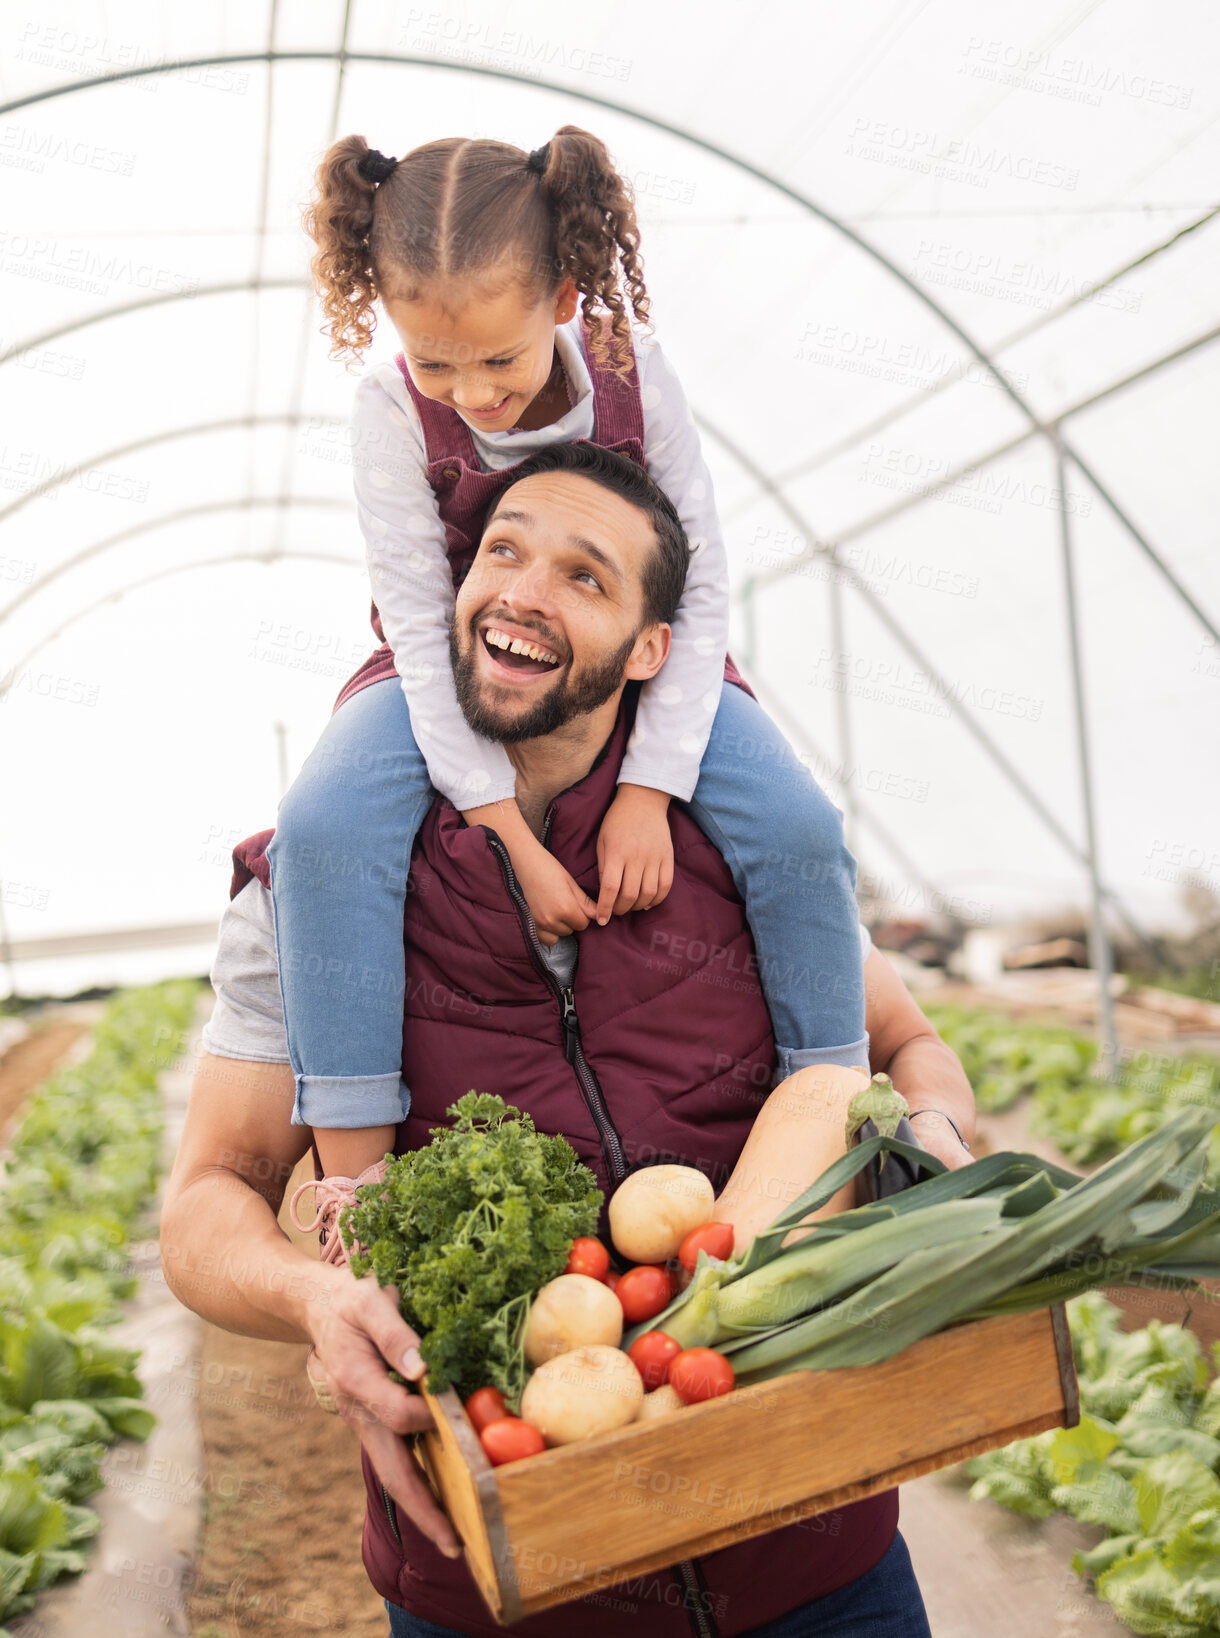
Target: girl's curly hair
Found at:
x=461, y=208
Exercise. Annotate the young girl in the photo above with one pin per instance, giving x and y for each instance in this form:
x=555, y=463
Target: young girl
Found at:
x=504, y=275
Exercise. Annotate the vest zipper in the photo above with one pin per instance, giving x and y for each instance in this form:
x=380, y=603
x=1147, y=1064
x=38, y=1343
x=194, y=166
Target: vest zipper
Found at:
x=573, y=1047
x=391, y=1512
x=701, y=1619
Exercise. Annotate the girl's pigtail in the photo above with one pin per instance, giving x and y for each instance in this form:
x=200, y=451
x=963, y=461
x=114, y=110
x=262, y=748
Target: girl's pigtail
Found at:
x=339, y=219
x=596, y=233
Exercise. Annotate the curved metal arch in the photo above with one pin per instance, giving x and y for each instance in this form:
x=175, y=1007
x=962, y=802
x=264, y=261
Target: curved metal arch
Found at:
x=229, y=288
x=15, y=670
x=166, y=518
x=198, y=429
x=975, y=463
x=401, y=59
x=930, y=669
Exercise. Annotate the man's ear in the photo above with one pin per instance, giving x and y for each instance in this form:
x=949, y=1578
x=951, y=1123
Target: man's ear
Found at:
x=649, y=653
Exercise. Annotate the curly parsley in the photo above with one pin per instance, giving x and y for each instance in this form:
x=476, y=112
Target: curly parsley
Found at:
x=468, y=1229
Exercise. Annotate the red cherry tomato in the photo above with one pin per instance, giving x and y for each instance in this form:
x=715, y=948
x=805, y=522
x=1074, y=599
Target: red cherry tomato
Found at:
x=588, y=1256
x=700, y=1373
x=485, y=1405
x=612, y=1279
x=651, y=1354
x=714, y=1238
x=509, y=1439
x=644, y=1291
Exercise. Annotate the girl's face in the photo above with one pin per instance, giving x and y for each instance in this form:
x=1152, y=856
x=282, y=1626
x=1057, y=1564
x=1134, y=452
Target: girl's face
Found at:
x=486, y=355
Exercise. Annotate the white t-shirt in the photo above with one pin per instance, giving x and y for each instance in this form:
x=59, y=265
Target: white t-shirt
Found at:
x=413, y=587
x=248, y=1018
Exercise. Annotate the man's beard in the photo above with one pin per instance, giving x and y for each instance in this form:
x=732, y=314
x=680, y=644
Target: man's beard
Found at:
x=575, y=695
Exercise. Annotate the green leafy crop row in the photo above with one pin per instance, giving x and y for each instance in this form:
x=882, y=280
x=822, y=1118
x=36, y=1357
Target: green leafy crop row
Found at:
x=83, y=1167
x=1088, y=1119
x=1142, y=1464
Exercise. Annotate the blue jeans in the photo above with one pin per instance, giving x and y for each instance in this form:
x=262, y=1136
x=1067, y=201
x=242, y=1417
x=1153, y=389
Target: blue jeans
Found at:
x=884, y=1603
x=339, y=862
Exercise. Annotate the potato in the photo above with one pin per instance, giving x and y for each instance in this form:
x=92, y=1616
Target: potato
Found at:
x=661, y=1401
x=575, y=1395
x=567, y=1313
x=653, y=1210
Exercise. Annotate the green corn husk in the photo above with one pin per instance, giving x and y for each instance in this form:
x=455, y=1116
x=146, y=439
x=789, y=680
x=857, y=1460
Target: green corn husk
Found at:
x=931, y=1289
x=817, y=1270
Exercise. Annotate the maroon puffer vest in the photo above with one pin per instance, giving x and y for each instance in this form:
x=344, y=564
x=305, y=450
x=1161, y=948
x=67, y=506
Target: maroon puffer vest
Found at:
x=665, y=1047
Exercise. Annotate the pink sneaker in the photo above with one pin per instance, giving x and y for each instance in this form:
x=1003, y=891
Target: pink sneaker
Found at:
x=331, y=1196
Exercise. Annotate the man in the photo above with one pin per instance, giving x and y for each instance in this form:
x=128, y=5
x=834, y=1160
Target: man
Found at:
x=667, y=1058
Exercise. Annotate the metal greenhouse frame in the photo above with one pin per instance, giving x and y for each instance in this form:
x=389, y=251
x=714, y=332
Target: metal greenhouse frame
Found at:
x=1053, y=433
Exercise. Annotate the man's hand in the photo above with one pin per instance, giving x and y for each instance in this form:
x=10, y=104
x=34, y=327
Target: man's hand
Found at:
x=357, y=1332
x=938, y=1138
x=226, y=1258
x=635, y=852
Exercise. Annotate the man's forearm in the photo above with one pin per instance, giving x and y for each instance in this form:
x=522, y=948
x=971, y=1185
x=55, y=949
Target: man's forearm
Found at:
x=225, y=1257
x=930, y=1076
x=223, y=1252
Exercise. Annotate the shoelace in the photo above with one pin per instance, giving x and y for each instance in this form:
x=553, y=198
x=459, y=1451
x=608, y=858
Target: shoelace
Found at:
x=331, y=1195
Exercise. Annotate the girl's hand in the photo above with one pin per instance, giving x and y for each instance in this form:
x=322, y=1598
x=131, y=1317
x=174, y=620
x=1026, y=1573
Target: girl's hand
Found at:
x=558, y=905
x=635, y=852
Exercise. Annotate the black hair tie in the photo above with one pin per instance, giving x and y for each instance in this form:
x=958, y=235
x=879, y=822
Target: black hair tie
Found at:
x=538, y=160
x=375, y=167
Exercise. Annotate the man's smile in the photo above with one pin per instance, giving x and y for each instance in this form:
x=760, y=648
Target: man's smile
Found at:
x=517, y=653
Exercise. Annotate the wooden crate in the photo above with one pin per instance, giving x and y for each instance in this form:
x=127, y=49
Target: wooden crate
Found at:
x=579, y=1518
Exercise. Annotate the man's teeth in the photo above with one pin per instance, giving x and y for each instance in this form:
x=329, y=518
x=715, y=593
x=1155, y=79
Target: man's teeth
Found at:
x=515, y=645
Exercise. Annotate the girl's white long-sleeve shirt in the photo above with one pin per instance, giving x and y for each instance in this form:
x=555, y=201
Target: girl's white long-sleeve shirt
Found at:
x=413, y=586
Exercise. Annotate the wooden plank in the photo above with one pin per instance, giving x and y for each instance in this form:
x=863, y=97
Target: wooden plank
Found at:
x=713, y=1541
x=1067, y=1365
x=466, y=1483
x=583, y=1517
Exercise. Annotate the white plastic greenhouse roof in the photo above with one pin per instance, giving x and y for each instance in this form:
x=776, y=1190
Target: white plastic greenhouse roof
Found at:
x=180, y=563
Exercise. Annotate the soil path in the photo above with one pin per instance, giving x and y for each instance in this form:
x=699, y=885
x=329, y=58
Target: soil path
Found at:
x=284, y=1502
x=31, y=1060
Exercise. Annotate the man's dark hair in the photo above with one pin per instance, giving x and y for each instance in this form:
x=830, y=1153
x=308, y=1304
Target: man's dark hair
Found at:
x=664, y=574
